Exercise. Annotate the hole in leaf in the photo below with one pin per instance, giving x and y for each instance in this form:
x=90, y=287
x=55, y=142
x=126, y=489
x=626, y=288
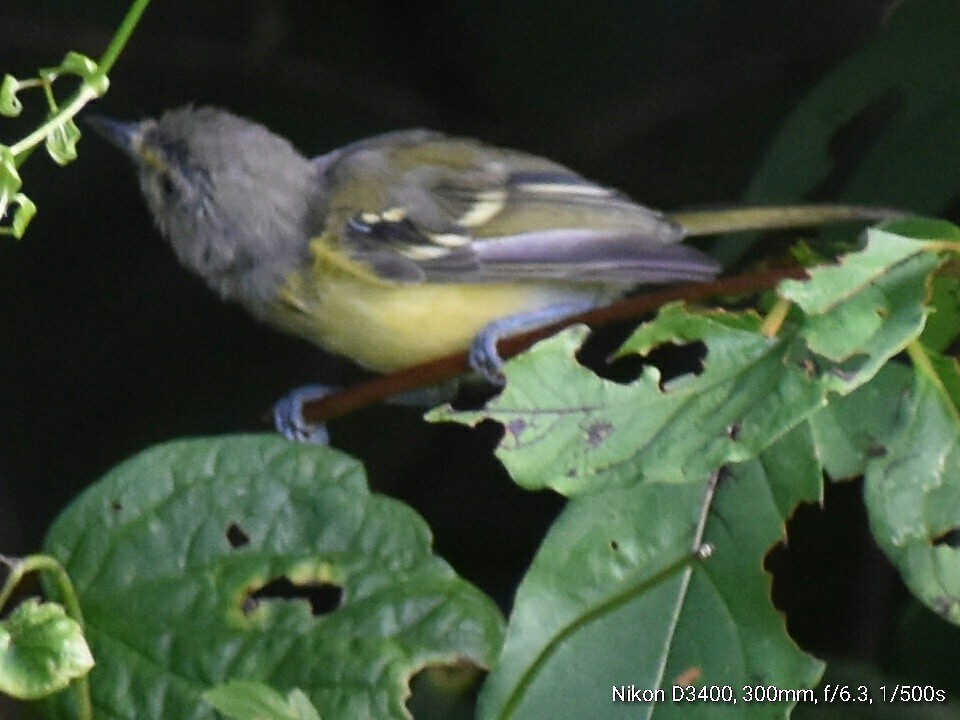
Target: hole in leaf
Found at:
x=614, y=545
x=473, y=394
x=950, y=538
x=671, y=359
x=322, y=597
x=237, y=537
x=830, y=579
x=448, y=690
x=116, y=506
x=601, y=344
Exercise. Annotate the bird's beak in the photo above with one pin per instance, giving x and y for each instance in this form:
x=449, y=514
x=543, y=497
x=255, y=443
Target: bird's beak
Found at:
x=125, y=135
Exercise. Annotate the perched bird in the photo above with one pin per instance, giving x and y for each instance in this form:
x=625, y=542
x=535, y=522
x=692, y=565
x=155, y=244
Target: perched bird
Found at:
x=407, y=246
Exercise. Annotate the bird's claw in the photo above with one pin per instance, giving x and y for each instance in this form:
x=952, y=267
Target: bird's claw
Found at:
x=288, y=415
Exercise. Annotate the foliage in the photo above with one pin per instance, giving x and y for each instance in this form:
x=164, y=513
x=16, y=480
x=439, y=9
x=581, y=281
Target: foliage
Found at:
x=250, y=578
x=43, y=650
x=58, y=132
x=634, y=459
x=250, y=558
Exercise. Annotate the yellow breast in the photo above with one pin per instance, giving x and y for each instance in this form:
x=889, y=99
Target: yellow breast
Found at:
x=388, y=326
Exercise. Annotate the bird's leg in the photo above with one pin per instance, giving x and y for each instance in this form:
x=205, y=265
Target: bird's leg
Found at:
x=484, y=357
x=288, y=411
x=288, y=415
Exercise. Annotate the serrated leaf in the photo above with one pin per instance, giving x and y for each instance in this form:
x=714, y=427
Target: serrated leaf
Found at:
x=830, y=285
x=41, y=651
x=861, y=326
x=245, y=700
x=912, y=492
x=614, y=598
x=172, y=551
x=567, y=429
x=61, y=143
x=943, y=324
x=10, y=105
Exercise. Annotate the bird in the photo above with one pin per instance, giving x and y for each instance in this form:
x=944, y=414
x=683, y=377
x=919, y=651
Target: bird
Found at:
x=410, y=245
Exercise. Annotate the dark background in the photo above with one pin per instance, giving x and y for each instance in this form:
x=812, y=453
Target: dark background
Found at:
x=107, y=346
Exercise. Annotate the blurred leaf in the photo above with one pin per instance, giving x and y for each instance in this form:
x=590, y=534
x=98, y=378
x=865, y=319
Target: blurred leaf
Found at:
x=913, y=492
x=201, y=562
x=894, y=104
x=567, y=429
x=41, y=651
x=245, y=700
x=915, y=646
x=867, y=701
x=616, y=598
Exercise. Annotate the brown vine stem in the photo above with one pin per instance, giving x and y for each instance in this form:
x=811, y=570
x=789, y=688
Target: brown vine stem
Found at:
x=445, y=368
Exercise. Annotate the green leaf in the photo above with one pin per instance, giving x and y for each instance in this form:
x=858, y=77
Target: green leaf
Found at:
x=852, y=429
x=943, y=324
x=10, y=105
x=10, y=196
x=895, y=104
x=25, y=212
x=41, y=651
x=245, y=700
x=302, y=708
x=615, y=597
x=10, y=182
x=62, y=142
x=82, y=66
x=870, y=304
x=196, y=563
x=78, y=64
x=913, y=492
x=567, y=429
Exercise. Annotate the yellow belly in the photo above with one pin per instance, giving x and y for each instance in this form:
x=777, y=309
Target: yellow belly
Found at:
x=390, y=326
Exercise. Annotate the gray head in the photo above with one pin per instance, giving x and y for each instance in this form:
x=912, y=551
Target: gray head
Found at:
x=232, y=198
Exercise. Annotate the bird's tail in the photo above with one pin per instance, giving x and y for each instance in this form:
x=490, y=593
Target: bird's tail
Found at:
x=774, y=217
